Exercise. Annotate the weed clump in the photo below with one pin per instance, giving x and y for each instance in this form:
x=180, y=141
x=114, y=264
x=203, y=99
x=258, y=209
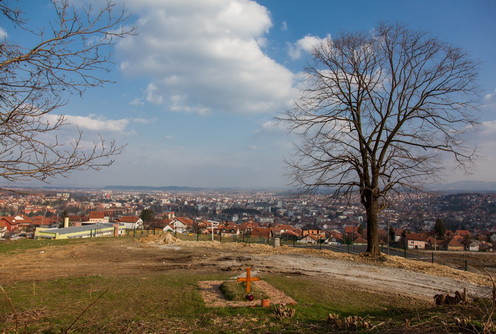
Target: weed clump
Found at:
x=236, y=291
x=283, y=312
x=353, y=322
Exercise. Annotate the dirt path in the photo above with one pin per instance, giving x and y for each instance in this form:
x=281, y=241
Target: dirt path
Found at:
x=127, y=257
x=372, y=277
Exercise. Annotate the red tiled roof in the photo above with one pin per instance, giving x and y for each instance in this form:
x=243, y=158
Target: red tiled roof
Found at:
x=40, y=220
x=416, y=236
x=97, y=215
x=289, y=233
x=351, y=229
x=185, y=221
x=129, y=219
x=455, y=243
x=260, y=232
x=462, y=233
x=359, y=240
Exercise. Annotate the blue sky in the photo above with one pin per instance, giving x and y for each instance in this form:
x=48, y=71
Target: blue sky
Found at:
x=198, y=88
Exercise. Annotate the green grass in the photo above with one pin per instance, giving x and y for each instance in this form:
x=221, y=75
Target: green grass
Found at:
x=233, y=290
x=171, y=303
x=24, y=244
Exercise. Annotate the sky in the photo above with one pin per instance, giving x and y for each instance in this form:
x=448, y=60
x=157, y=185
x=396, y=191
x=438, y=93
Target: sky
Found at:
x=197, y=89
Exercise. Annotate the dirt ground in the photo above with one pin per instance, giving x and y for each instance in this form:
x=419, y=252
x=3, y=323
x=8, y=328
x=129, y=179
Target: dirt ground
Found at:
x=388, y=274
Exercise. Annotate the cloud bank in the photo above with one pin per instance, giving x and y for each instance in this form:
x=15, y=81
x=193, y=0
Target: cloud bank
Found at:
x=205, y=56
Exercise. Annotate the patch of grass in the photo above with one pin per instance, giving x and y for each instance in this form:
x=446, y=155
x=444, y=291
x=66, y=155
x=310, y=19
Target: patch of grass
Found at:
x=317, y=299
x=171, y=303
x=233, y=290
x=8, y=246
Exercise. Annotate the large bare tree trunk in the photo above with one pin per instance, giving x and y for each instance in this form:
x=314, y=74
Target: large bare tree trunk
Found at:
x=371, y=204
x=372, y=229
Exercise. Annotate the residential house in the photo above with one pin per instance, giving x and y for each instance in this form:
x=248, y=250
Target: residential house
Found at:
x=228, y=229
x=313, y=231
x=178, y=225
x=15, y=224
x=474, y=246
x=247, y=227
x=43, y=222
x=308, y=239
x=290, y=235
x=453, y=244
x=415, y=240
x=261, y=232
x=334, y=238
x=77, y=220
x=353, y=230
x=360, y=241
x=432, y=243
x=130, y=222
x=97, y=217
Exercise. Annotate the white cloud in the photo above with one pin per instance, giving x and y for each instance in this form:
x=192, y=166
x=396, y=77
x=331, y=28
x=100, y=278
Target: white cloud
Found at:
x=284, y=26
x=305, y=44
x=488, y=128
x=272, y=126
x=98, y=124
x=205, y=56
x=153, y=94
x=136, y=102
x=144, y=120
x=490, y=96
x=484, y=139
x=489, y=102
x=3, y=33
x=94, y=123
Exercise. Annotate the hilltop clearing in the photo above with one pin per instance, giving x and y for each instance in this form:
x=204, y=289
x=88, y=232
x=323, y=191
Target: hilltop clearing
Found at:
x=156, y=254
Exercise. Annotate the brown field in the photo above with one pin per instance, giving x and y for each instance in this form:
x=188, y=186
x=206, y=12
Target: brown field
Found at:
x=126, y=256
x=154, y=285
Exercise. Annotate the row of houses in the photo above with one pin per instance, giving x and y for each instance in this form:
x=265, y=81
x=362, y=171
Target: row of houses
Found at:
x=21, y=223
x=96, y=224
x=459, y=241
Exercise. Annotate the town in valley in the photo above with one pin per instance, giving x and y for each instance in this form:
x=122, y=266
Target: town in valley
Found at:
x=431, y=221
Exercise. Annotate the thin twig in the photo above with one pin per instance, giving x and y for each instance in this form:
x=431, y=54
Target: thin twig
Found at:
x=489, y=321
x=12, y=307
x=84, y=311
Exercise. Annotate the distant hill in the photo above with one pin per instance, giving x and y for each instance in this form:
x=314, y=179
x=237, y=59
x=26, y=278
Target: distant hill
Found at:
x=186, y=189
x=160, y=188
x=463, y=186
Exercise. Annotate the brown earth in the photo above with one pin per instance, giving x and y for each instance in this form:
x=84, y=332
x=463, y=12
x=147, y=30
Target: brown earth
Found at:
x=155, y=254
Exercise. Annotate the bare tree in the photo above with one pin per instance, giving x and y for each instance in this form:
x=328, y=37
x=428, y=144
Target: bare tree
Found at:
x=378, y=113
x=67, y=55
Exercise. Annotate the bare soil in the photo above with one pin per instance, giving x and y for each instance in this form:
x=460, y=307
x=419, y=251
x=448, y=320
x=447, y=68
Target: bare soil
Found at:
x=387, y=274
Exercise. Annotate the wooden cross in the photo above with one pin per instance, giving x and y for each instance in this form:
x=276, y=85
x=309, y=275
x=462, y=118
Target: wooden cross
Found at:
x=248, y=279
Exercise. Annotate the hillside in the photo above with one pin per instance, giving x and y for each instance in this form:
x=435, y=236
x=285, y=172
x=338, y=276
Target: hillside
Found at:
x=98, y=264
